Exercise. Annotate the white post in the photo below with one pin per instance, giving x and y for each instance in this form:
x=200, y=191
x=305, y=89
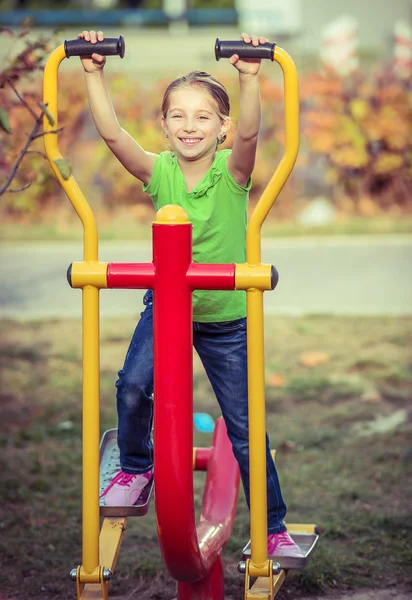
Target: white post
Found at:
x=340, y=45
x=402, y=50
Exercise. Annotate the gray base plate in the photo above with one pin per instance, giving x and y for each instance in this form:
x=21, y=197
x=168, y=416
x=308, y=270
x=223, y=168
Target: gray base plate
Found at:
x=109, y=466
x=305, y=541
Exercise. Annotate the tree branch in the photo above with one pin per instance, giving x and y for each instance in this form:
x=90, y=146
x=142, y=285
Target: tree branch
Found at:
x=32, y=136
x=36, y=152
x=16, y=165
x=22, y=100
x=20, y=189
x=43, y=133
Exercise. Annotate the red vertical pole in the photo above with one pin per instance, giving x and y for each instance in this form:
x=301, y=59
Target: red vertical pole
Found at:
x=191, y=554
x=211, y=587
x=173, y=380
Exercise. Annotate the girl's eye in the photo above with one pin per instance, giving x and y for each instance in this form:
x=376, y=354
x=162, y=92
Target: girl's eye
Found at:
x=176, y=116
x=203, y=117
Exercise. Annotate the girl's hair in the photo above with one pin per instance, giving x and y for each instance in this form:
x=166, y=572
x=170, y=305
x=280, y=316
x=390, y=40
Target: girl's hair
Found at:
x=203, y=80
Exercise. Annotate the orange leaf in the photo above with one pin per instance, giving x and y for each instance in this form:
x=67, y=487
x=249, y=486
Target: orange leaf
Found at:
x=275, y=380
x=312, y=359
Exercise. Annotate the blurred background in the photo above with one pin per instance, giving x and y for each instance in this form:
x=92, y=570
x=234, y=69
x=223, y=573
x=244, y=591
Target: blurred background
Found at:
x=354, y=171
x=338, y=328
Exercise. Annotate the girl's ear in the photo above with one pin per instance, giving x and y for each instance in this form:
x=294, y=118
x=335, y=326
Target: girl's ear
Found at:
x=224, y=128
x=162, y=123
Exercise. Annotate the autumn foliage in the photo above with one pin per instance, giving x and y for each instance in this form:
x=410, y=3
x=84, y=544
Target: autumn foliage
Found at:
x=360, y=130
x=356, y=140
x=21, y=116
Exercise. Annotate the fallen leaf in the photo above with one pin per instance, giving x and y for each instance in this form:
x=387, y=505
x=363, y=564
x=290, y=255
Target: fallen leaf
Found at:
x=275, y=380
x=288, y=445
x=312, y=359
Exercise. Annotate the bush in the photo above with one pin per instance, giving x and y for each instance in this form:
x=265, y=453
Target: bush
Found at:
x=360, y=130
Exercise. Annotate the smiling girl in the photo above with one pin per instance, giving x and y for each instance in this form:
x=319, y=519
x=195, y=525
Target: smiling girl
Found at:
x=213, y=188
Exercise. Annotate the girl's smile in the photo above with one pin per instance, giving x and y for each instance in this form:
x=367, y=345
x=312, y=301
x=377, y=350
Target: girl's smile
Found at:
x=192, y=123
x=190, y=141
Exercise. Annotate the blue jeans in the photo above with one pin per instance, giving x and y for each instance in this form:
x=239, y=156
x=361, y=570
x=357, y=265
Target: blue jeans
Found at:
x=222, y=350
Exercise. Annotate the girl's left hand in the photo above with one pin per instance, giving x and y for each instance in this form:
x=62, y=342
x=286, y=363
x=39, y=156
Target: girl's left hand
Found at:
x=248, y=66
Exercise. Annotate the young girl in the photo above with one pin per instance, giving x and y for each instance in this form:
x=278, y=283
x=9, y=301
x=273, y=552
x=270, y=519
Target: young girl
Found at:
x=212, y=186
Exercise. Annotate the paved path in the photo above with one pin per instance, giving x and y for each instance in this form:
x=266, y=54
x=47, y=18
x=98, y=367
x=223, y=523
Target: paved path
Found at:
x=343, y=276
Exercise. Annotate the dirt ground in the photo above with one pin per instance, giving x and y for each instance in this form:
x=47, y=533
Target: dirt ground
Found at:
x=388, y=594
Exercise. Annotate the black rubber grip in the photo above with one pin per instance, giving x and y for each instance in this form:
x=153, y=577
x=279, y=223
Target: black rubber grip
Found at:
x=243, y=50
x=108, y=47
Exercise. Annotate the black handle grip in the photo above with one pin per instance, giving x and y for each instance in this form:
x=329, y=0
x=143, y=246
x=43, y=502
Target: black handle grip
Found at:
x=243, y=50
x=108, y=47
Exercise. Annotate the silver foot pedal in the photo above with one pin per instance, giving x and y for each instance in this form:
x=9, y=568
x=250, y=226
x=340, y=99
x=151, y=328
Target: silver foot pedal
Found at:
x=109, y=467
x=306, y=542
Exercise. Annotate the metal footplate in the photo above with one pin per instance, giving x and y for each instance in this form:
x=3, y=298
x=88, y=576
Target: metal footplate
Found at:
x=305, y=536
x=109, y=466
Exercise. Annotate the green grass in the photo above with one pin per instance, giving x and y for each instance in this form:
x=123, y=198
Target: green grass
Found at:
x=336, y=468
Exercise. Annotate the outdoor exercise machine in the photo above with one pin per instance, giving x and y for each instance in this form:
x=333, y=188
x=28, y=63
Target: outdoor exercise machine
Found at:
x=192, y=553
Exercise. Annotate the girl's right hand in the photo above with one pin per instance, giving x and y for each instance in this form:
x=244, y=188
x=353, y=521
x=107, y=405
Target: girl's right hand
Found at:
x=95, y=62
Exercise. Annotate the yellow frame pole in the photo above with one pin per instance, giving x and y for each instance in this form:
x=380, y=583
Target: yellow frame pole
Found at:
x=69, y=185
x=90, y=328
x=91, y=427
x=259, y=565
x=111, y=537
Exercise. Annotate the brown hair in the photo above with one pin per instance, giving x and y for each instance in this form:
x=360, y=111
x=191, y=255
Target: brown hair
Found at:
x=201, y=79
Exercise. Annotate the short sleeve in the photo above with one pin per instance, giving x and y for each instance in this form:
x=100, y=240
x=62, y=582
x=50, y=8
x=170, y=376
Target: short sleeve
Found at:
x=228, y=177
x=152, y=187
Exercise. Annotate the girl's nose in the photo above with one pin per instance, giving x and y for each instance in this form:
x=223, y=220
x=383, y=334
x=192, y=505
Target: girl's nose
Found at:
x=190, y=126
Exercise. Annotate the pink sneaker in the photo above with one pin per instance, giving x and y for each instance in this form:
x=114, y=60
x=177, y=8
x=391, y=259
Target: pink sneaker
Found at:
x=125, y=488
x=281, y=544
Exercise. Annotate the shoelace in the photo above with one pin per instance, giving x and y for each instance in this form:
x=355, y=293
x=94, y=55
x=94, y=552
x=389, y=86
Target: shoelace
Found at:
x=121, y=478
x=280, y=540
x=285, y=540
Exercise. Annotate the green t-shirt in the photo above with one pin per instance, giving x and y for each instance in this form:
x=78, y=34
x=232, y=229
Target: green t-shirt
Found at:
x=217, y=208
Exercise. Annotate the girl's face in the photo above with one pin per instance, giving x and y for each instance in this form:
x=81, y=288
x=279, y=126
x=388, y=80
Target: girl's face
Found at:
x=192, y=123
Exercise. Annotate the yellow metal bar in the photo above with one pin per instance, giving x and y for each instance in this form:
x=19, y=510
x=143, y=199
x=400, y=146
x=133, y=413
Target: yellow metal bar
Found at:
x=263, y=588
x=91, y=427
x=111, y=537
x=91, y=336
x=279, y=178
x=69, y=185
x=257, y=428
x=89, y=273
x=302, y=528
x=255, y=346
x=253, y=276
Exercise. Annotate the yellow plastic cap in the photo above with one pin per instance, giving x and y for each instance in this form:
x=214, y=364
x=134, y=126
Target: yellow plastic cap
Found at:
x=171, y=214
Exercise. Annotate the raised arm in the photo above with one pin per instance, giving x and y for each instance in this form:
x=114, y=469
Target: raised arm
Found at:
x=132, y=156
x=242, y=159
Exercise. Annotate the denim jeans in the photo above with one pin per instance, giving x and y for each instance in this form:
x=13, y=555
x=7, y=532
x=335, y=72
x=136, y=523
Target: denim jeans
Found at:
x=222, y=350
